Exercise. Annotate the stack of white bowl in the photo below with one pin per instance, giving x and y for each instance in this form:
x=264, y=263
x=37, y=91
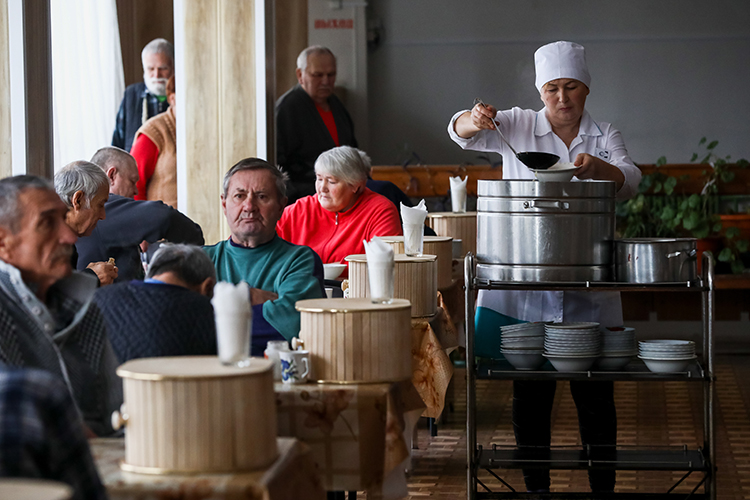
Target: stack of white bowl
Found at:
x=572, y=346
x=522, y=345
x=618, y=348
x=666, y=356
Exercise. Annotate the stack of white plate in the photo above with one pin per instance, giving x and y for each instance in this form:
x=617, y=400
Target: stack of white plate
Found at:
x=666, y=356
x=522, y=345
x=618, y=348
x=572, y=346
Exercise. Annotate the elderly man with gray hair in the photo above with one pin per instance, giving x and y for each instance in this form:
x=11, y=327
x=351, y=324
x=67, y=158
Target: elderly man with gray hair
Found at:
x=47, y=320
x=168, y=314
x=84, y=188
x=146, y=99
x=131, y=223
x=310, y=119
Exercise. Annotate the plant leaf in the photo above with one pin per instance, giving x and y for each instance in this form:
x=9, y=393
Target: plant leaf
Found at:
x=726, y=255
x=712, y=145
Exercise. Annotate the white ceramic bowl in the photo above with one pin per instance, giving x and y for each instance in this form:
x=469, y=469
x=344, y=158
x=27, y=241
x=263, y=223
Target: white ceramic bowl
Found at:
x=571, y=363
x=666, y=365
x=525, y=361
x=556, y=174
x=333, y=271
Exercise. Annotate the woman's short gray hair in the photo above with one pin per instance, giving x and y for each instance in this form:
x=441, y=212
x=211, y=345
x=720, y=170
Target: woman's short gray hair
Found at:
x=188, y=262
x=314, y=49
x=344, y=163
x=10, y=190
x=159, y=45
x=80, y=176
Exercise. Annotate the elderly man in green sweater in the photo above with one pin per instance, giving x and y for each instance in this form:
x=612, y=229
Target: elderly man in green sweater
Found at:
x=278, y=272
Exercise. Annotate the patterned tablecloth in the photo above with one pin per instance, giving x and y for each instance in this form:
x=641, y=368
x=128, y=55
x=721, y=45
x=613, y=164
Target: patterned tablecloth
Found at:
x=293, y=475
x=359, y=433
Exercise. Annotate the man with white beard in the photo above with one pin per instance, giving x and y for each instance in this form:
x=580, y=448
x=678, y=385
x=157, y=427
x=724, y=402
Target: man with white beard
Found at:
x=145, y=99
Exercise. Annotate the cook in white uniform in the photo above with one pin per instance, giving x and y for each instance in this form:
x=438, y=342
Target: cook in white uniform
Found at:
x=563, y=127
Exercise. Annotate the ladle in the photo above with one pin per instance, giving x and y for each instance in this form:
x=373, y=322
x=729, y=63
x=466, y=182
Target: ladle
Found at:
x=532, y=159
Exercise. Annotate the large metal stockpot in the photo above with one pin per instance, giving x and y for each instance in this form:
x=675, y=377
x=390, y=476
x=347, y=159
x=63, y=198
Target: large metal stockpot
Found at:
x=656, y=260
x=545, y=231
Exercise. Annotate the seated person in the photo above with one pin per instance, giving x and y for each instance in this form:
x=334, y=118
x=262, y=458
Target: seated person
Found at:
x=344, y=212
x=278, y=272
x=168, y=314
x=129, y=222
x=46, y=315
x=85, y=189
x=41, y=433
x=390, y=191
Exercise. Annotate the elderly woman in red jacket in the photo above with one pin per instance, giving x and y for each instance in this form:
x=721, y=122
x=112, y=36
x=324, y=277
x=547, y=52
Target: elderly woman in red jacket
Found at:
x=342, y=212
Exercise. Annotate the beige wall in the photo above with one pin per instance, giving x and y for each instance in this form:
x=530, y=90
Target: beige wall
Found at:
x=219, y=96
x=6, y=167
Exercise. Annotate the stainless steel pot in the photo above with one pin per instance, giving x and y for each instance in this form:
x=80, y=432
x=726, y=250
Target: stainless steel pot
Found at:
x=545, y=231
x=656, y=260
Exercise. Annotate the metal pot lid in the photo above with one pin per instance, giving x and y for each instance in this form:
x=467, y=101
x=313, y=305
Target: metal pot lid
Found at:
x=649, y=241
x=533, y=188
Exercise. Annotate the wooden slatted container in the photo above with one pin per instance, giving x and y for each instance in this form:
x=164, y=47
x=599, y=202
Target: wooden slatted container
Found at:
x=191, y=414
x=441, y=246
x=414, y=279
x=459, y=226
x=354, y=340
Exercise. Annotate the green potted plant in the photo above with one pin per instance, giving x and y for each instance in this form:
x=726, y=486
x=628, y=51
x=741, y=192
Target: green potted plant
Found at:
x=659, y=211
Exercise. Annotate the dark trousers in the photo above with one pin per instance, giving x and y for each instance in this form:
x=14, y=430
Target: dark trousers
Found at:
x=597, y=421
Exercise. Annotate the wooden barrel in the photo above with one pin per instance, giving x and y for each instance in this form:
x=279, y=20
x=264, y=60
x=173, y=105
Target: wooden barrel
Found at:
x=191, y=414
x=441, y=246
x=459, y=226
x=354, y=340
x=414, y=279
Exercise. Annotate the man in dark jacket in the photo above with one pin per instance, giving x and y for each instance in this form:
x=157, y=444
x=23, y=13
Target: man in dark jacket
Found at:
x=129, y=222
x=310, y=119
x=145, y=99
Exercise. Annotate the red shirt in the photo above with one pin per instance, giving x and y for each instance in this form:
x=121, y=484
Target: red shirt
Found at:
x=145, y=153
x=334, y=235
x=327, y=117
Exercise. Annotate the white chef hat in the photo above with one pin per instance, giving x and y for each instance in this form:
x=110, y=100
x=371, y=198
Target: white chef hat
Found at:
x=561, y=60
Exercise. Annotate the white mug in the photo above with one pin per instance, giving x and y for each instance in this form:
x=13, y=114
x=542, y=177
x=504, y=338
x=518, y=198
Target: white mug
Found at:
x=291, y=365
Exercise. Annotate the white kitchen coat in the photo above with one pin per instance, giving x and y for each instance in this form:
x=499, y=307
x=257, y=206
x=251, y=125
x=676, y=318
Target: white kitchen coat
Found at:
x=530, y=130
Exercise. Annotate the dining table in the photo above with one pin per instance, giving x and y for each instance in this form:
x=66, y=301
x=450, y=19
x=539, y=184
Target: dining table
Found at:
x=294, y=474
x=359, y=433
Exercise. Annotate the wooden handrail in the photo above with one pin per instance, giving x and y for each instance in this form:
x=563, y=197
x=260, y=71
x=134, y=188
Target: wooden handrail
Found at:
x=426, y=181
x=694, y=182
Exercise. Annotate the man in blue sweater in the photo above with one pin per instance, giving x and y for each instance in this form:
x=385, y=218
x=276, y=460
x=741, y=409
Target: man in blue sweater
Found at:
x=278, y=272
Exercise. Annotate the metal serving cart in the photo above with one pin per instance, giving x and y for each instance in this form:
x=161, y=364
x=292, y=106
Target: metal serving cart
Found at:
x=492, y=457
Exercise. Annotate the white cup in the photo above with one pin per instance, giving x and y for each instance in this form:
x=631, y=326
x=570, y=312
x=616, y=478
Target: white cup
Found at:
x=380, y=276
x=295, y=366
x=458, y=199
x=413, y=239
x=329, y=292
x=273, y=348
x=233, y=336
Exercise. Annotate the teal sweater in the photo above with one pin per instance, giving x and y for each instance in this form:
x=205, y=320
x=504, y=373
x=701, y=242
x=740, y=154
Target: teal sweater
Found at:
x=277, y=266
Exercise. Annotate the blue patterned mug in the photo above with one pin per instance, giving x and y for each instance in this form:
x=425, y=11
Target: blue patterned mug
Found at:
x=291, y=366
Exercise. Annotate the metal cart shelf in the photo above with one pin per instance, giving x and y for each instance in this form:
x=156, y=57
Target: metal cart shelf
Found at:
x=701, y=460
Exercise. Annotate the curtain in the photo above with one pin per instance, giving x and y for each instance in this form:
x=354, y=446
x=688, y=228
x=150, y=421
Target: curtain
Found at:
x=87, y=76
